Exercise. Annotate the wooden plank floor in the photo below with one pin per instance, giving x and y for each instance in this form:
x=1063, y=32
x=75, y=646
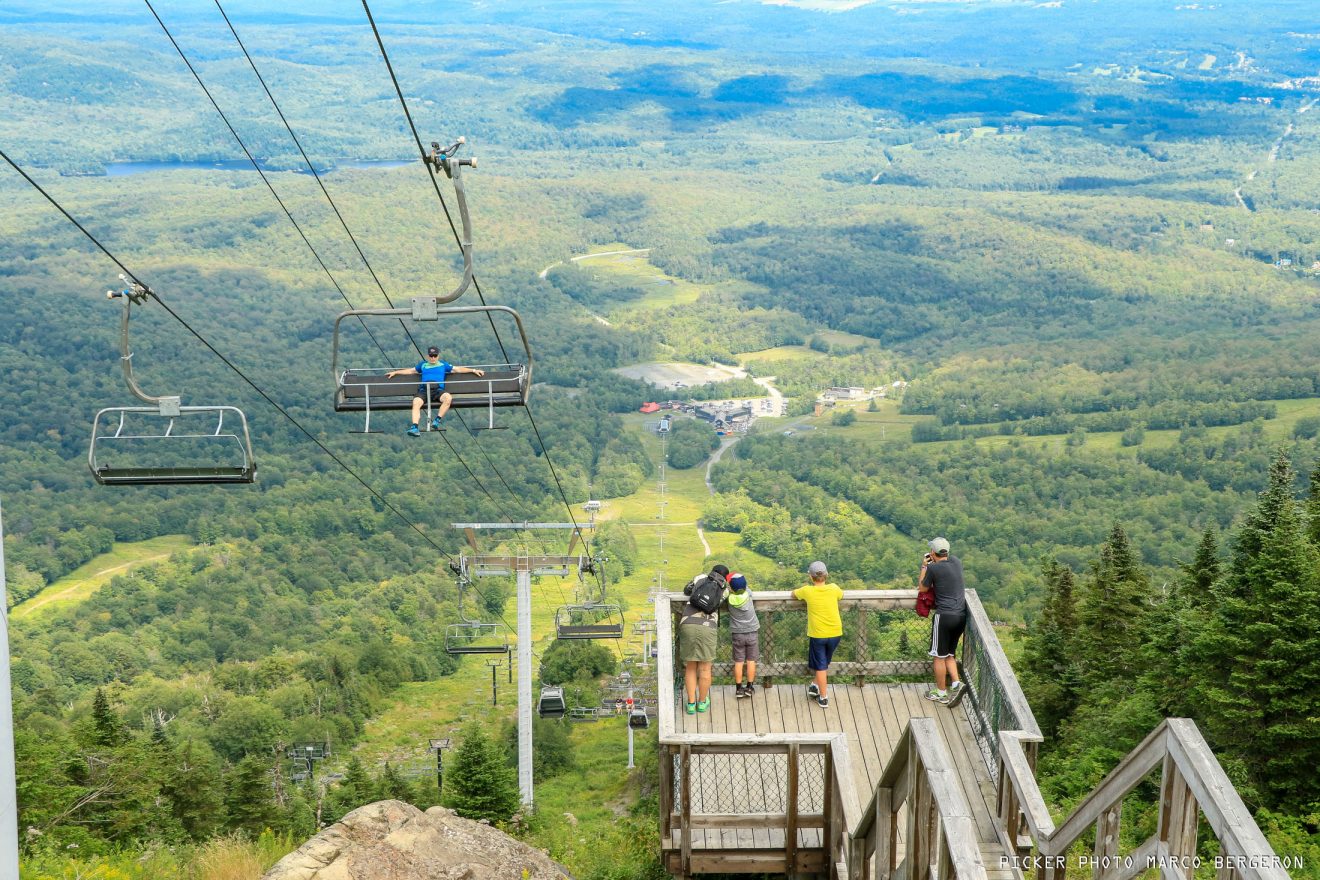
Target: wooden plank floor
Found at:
x=873, y=717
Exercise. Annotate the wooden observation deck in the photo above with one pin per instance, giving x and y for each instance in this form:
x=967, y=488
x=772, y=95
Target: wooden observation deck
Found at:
x=886, y=784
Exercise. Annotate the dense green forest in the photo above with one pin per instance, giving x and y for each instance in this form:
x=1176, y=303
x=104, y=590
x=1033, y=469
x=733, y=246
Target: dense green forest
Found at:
x=1111, y=237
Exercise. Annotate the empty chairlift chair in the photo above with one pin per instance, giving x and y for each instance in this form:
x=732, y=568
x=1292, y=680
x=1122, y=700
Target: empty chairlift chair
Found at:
x=593, y=618
x=638, y=719
x=166, y=443
x=474, y=636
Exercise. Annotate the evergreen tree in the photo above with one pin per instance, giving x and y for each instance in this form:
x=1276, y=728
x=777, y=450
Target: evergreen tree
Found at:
x=356, y=789
x=478, y=784
x=1265, y=633
x=1313, y=507
x=392, y=785
x=1177, y=632
x=249, y=798
x=191, y=784
x=1112, y=612
x=107, y=731
x=1049, y=655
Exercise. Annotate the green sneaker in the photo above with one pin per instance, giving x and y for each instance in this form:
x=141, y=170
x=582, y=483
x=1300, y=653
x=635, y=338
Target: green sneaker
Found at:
x=692, y=708
x=703, y=705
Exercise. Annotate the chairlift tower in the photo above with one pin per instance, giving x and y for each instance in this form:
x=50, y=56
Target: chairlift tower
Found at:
x=523, y=566
x=438, y=746
x=8, y=779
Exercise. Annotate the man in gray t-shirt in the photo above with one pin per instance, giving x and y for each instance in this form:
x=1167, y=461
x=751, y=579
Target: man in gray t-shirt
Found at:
x=943, y=574
x=744, y=630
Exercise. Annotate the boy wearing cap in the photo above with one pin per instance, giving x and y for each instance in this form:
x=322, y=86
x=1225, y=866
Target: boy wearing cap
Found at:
x=433, y=372
x=745, y=634
x=943, y=574
x=824, y=629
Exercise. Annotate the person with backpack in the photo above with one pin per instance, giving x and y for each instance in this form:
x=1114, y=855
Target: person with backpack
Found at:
x=698, y=635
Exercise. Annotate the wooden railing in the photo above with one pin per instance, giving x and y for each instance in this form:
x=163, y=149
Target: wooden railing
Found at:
x=1192, y=784
x=795, y=782
x=940, y=830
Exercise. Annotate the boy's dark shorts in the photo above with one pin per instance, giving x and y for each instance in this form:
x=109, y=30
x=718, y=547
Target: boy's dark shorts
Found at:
x=746, y=647
x=820, y=652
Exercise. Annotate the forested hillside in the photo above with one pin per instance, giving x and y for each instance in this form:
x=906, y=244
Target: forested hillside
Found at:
x=1085, y=252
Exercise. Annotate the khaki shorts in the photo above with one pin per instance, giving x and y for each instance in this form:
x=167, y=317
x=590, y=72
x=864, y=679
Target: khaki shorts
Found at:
x=697, y=643
x=746, y=646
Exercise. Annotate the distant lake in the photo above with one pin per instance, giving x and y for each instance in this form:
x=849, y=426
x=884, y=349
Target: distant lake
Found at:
x=124, y=169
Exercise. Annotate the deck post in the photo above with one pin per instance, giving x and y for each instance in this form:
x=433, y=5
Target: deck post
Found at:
x=685, y=806
x=1178, y=815
x=791, y=812
x=1107, y=863
x=829, y=814
x=666, y=792
x=886, y=832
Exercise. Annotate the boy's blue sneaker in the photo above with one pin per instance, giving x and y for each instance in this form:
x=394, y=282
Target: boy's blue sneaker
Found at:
x=703, y=705
x=692, y=708
x=414, y=431
x=435, y=424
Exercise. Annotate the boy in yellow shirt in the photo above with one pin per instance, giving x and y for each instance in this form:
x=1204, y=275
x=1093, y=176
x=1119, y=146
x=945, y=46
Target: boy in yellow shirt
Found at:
x=824, y=629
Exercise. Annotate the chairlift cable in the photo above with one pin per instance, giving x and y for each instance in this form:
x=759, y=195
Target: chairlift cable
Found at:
x=312, y=168
x=262, y=173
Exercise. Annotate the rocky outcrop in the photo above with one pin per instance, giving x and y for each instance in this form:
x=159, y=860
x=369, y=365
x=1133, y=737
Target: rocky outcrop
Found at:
x=391, y=840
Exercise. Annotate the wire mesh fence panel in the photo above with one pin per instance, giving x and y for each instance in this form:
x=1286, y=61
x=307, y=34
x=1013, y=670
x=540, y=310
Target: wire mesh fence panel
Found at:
x=811, y=783
x=989, y=711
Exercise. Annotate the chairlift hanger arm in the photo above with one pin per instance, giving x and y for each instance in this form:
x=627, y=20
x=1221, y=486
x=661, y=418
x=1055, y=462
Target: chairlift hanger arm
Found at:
x=137, y=293
x=445, y=159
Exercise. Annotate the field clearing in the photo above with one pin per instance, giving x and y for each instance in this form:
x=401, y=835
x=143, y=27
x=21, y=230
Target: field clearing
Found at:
x=635, y=270
x=780, y=355
x=664, y=375
x=843, y=338
x=888, y=425
x=85, y=580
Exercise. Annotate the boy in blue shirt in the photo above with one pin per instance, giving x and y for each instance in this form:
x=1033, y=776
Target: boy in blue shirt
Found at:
x=433, y=372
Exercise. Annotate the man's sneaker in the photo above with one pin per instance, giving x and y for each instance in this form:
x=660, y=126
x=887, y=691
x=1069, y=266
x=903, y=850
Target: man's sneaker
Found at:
x=703, y=705
x=957, y=691
x=742, y=690
x=813, y=691
x=435, y=424
x=414, y=431
x=823, y=702
x=937, y=696
x=692, y=708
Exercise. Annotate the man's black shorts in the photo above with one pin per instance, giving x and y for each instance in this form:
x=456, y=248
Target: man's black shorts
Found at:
x=945, y=631
x=436, y=391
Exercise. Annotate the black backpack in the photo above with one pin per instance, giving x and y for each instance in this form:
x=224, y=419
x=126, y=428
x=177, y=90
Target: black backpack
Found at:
x=706, y=593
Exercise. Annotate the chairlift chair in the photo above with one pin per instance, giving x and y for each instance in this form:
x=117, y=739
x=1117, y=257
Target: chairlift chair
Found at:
x=551, y=704
x=591, y=619
x=366, y=389
x=638, y=719
x=131, y=447
x=473, y=636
